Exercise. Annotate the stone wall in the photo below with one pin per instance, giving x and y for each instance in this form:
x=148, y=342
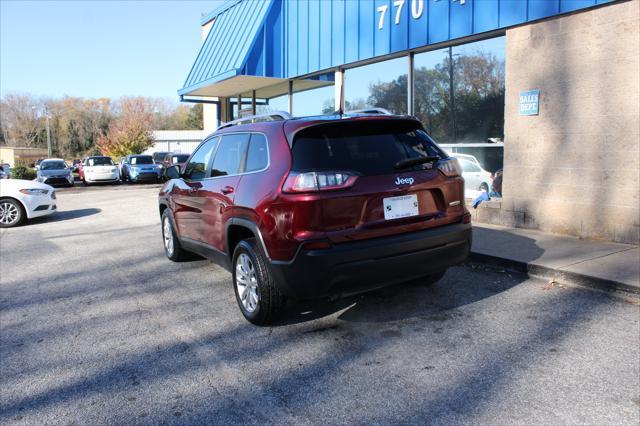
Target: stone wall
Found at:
x=575, y=167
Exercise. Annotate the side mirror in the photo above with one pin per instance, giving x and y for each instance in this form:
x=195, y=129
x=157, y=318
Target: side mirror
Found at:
x=172, y=172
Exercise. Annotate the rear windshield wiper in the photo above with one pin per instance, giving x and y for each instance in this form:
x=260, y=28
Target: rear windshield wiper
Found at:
x=403, y=164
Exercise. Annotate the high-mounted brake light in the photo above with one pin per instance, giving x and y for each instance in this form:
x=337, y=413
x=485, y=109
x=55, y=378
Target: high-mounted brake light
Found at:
x=318, y=181
x=450, y=167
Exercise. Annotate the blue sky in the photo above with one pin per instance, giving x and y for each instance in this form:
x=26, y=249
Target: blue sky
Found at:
x=98, y=48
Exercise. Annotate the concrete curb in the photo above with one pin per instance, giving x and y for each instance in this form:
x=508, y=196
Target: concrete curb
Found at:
x=544, y=272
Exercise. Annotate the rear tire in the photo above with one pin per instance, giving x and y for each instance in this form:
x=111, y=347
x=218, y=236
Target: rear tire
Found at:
x=11, y=213
x=258, y=297
x=172, y=247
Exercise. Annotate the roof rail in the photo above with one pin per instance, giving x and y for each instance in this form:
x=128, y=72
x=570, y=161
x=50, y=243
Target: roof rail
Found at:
x=271, y=116
x=370, y=111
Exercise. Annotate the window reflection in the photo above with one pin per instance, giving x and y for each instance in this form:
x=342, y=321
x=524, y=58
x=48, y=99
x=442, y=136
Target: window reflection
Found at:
x=459, y=91
x=314, y=95
x=382, y=85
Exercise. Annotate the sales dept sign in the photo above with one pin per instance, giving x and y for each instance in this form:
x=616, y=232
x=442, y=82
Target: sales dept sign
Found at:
x=529, y=102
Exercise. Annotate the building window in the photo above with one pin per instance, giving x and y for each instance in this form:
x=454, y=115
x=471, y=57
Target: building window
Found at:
x=383, y=85
x=314, y=95
x=459, y=91
x=278, y=103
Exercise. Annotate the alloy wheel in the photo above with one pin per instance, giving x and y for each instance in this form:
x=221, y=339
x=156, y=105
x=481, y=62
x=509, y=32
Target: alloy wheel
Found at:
x=247, y=283
x=9, y=213
x=167, y=235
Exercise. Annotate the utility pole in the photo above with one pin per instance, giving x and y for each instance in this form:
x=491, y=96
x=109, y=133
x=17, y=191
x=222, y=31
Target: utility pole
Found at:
x=451, y=96
x=46, y=115
x=44, y=111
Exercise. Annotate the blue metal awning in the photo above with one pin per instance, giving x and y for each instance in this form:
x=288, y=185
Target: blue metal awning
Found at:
x=235, y=29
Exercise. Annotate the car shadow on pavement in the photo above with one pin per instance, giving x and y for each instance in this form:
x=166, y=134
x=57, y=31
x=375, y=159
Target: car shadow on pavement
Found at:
x=67, y=215
x=413, y=299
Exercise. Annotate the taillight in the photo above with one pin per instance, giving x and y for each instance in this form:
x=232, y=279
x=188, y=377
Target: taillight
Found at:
x=450, y=167
x=318, y=181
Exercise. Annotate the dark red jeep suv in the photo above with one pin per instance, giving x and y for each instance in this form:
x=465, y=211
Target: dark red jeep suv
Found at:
x=317, y=206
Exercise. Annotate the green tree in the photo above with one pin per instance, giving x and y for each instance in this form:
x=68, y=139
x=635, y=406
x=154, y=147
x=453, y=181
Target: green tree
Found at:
x=194, y=119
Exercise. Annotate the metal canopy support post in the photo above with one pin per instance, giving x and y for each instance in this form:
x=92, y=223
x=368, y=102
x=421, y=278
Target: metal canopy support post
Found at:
x=410, y=86
x=339, y=90
x=290, y=92
x=253, y=102
x=452, y=99
x=239, y=105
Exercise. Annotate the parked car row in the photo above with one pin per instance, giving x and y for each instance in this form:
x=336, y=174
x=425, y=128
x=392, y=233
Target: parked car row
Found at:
x=131, y=168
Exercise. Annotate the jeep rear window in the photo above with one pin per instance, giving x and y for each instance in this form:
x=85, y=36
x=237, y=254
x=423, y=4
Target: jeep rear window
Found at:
x=367, y=148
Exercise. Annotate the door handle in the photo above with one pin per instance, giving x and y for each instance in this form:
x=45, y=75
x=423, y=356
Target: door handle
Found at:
x=227, y=190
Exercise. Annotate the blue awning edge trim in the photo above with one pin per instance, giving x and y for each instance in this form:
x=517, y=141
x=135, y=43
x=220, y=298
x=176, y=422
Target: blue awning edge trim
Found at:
x=229, y=43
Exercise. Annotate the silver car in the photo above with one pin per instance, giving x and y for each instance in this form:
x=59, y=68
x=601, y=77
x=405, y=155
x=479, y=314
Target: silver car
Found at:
x=54, y=171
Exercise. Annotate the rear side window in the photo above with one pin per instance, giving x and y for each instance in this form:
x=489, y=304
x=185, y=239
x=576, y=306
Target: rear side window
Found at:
x=257, y=157
x=230, y=154
x=198, y=167
x=366, y=148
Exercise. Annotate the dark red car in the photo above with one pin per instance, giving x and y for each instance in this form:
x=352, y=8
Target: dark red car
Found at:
x=317, y=206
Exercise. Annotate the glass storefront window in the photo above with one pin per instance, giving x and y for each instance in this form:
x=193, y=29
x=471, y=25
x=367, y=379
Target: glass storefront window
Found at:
x=314, y=96
x=382, y=85
x=459, y=92
x=279, y=103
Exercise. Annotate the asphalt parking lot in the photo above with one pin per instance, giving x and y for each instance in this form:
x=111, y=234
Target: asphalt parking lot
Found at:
x=97, y=326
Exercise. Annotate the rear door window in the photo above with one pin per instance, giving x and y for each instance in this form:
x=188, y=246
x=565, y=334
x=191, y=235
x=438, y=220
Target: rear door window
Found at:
x=365, y=148
x=230, y=154
x=257, y=156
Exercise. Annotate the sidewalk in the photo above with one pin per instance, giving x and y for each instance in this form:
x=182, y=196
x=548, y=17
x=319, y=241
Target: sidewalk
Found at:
x=566, y=259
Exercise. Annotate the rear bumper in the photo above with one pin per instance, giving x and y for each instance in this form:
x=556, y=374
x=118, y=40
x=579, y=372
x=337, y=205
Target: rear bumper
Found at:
x=365, y=265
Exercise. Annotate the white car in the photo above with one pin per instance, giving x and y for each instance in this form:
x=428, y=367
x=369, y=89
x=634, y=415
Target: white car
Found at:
x=24, y=199
x=467, y=157
x=100, y=169
x=475, y=177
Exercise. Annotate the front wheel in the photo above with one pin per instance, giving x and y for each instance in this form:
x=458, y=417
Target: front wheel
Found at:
x=11, y=213
x=172, y=247
x=259, y=299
